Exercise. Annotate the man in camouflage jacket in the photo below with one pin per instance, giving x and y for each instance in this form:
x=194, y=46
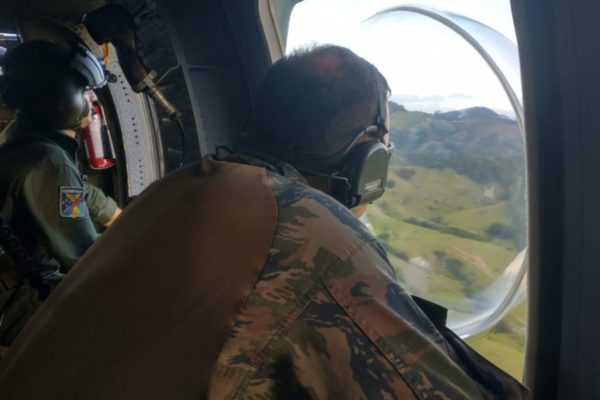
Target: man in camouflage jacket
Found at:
x=235, y=278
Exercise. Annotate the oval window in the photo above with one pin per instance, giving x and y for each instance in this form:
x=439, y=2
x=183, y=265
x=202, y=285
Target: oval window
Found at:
x=454, y=216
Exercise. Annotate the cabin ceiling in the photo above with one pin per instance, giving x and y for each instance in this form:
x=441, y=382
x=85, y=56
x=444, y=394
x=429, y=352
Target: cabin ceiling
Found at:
x=58, y=9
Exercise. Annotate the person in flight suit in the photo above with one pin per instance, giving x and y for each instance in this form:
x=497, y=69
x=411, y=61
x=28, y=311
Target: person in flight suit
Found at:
x=253, y=278
x=43, y=196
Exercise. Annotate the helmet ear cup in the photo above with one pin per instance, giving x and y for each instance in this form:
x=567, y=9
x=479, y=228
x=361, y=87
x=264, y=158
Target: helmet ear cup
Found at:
x=70, y=107
x=366, y=169
x=62, y=107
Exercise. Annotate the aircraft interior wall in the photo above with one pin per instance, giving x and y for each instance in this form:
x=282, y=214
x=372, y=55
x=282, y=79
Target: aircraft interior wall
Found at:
x=559, y=44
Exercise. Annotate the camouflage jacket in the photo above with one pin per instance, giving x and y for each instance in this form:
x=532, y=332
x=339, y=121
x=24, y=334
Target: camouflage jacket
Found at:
x=328, y=319
x=232, y=279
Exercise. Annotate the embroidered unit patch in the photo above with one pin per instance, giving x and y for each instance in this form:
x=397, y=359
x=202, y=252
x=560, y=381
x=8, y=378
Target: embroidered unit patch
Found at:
x=72, y=204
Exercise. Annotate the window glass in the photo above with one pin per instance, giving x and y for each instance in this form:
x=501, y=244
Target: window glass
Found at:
x=281, y=11
x=453, y=218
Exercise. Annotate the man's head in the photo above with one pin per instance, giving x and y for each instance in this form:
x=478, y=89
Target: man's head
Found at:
x=46, y=81
x=316, y=107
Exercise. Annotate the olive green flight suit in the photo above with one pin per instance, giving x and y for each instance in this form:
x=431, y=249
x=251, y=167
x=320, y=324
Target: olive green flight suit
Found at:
x=50, y=207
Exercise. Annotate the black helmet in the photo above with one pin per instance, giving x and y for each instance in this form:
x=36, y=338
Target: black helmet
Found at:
x=45, y=81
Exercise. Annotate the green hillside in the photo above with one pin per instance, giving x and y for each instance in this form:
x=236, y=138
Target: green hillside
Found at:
x=428, y=193
x=476, y=142
x=454, y=213
x=478, y=222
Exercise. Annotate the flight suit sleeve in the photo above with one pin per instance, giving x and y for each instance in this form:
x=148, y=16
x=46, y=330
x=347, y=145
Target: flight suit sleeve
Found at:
x=54, y=196
x=101, y=206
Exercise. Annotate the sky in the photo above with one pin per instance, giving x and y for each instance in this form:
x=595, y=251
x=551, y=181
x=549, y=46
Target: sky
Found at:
x=428, y=66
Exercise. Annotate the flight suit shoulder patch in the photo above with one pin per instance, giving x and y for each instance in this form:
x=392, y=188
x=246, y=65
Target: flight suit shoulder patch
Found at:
x=72, y=203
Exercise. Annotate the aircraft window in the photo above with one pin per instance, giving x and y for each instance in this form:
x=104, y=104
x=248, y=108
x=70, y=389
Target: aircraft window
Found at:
x=454, y=216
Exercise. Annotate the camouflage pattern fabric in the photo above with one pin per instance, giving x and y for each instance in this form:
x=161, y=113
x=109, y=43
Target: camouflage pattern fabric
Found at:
x=245, y=283
x=327, y=319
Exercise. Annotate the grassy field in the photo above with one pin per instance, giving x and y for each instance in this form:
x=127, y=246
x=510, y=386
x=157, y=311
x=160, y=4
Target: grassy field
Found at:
x=429, y=193
x=437, y=222
x=482, y=262
x=505, y=344
x=478, y=218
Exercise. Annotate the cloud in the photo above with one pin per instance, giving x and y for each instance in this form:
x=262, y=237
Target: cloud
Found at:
x=461, y=96
x=432, y=103
x=414, y=98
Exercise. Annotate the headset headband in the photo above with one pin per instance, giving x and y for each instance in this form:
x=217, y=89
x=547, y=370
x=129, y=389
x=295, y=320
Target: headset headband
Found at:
x=382, y=90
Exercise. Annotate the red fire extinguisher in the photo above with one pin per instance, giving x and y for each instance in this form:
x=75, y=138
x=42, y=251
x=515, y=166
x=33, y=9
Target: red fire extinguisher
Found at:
x=96, y=137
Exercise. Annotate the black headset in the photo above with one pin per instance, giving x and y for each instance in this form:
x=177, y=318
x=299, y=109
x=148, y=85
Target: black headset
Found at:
x=361, y=176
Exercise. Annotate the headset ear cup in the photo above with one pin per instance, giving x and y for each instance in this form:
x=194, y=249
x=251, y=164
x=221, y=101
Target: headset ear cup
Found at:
x=366, y=168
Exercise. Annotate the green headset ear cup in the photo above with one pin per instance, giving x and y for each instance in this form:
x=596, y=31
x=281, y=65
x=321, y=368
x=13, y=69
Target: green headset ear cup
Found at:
x=366, y=168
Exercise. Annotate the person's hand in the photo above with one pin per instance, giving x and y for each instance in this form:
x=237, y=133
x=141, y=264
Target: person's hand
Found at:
x=113, y=218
